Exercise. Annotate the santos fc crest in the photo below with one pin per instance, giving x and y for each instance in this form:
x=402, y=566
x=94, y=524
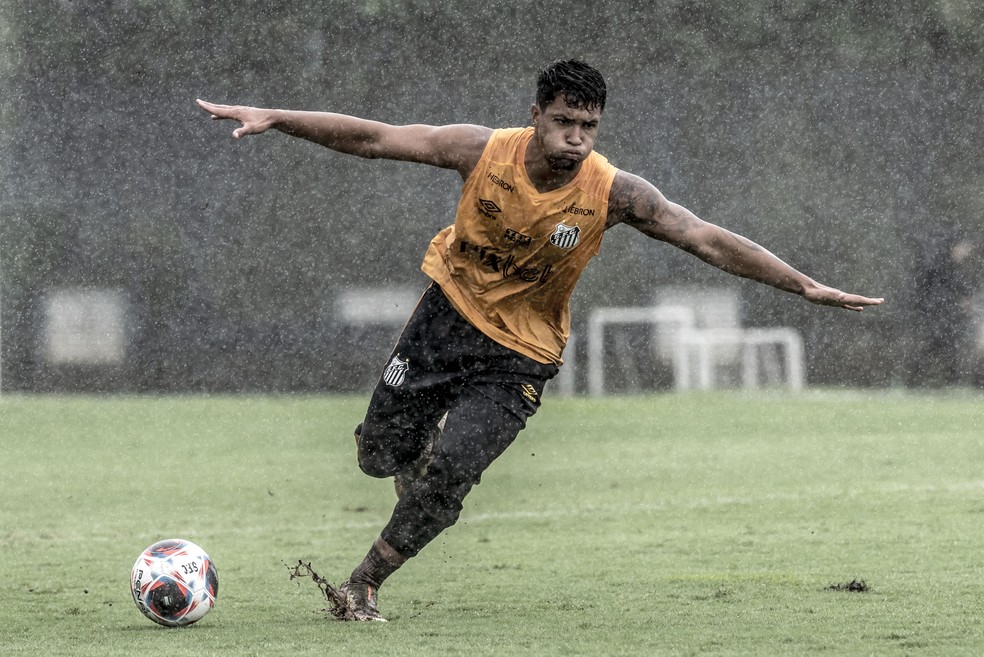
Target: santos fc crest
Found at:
x=566, y=237
x=396, y=372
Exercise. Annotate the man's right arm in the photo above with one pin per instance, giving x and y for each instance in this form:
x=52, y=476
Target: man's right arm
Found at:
x=457, y=147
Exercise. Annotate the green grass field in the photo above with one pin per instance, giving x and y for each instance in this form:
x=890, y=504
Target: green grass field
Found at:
x=669, y=525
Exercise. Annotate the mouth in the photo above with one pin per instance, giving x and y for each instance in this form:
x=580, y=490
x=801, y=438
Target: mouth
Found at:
x=570, y=156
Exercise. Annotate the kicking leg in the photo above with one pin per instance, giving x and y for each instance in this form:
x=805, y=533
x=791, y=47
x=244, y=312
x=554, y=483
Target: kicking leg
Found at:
x=477, y=431
x=413, y=392
x=399, y=432
x=491, y=392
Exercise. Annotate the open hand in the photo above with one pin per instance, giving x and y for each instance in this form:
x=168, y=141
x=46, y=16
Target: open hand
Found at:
x=828, y=296
x=254, y=120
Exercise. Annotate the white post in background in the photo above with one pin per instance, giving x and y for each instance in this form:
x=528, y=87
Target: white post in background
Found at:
x=671, y=319
x=1, y=323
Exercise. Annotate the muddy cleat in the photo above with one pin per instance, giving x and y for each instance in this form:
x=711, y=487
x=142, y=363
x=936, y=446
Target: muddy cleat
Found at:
x=360, y=602
x=404, y=480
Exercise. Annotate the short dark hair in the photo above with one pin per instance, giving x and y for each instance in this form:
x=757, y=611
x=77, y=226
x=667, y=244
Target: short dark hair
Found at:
x=581, y=85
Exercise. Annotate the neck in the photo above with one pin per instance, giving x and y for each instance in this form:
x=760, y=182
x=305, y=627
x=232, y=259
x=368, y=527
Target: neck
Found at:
x=542, y=174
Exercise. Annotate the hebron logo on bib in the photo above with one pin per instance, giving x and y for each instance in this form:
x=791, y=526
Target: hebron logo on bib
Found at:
x=566, y=237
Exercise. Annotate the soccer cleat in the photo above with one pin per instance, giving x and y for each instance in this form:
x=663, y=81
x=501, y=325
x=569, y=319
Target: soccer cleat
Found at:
x=404, y=480
x=361, y=602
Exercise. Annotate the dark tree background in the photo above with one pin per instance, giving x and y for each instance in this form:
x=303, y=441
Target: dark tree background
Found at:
x=845, y=136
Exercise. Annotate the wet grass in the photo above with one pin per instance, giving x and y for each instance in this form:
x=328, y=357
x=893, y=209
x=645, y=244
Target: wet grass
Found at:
x=722, y=524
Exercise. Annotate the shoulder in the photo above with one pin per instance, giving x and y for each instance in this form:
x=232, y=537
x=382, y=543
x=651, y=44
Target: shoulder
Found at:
x=513, y=133
x=632, y=198
x=463, y=136
x=510, y=138
x=460, y=146
x=500, y=144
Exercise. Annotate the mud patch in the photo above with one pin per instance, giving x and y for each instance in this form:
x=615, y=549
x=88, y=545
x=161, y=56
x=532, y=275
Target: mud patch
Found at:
x=337, y=603
x=854, y=586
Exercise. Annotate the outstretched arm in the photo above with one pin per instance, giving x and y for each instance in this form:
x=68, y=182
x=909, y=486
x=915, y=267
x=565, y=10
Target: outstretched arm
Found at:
x=457, y=147
x=638, y=203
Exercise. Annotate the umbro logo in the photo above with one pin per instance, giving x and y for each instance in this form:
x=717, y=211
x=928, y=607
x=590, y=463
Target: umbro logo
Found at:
x=488, y=208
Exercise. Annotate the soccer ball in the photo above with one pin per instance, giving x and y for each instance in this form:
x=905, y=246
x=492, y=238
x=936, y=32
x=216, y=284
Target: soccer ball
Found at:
x=174, y=582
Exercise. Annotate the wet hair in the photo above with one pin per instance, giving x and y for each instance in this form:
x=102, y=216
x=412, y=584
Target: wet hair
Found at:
x=580, y=84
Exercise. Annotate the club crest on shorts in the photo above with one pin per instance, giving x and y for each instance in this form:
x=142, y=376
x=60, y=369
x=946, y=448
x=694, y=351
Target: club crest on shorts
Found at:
x=396, y=372
x=566, y=237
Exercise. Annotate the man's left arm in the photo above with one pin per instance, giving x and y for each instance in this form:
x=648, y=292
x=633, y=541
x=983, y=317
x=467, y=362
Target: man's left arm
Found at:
x=636, y=202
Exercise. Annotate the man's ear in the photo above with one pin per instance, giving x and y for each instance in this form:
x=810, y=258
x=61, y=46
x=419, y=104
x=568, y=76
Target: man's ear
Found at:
x=535, y=112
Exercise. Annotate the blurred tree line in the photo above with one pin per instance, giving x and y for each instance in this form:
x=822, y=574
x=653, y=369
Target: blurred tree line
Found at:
x=844, y=136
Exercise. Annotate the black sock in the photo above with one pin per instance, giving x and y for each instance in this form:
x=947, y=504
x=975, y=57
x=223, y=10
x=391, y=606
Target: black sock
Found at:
x=381, y=561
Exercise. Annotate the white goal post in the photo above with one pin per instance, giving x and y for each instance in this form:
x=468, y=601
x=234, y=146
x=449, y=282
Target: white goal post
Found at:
x=665, y=318
x=691, y=350
x=695, y=348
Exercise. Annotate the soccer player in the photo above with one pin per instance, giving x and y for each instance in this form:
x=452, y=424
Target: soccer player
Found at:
x=488, y=333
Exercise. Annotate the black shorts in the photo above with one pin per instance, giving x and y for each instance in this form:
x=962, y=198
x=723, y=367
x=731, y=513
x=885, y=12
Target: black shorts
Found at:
x=442, y=364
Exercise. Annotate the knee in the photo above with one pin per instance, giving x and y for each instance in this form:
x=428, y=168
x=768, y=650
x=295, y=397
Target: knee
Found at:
x=374, y=460
x=374, y=466
x=376, y=463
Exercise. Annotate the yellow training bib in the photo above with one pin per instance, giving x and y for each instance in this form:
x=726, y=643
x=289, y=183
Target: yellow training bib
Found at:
x=510, y=261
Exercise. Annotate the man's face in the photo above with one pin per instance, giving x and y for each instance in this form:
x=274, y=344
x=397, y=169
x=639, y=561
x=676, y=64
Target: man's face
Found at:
x=565, y=134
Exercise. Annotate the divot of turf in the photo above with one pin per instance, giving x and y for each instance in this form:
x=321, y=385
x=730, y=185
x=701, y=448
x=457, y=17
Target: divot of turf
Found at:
x=338, y=605
x=854, y=586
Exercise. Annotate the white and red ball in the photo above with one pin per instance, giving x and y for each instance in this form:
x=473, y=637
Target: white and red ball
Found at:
x=174, y=582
